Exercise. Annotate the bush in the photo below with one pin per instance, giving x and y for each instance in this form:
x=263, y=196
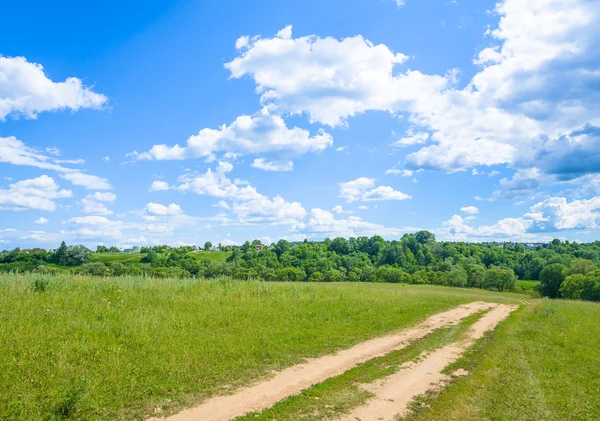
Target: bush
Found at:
x=391, y=274
x=96, y=269
x=40, y=284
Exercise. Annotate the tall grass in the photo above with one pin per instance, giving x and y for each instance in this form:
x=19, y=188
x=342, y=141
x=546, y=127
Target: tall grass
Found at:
x=75, y=347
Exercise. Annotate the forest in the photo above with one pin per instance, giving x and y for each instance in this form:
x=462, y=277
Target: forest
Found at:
x=564, y=269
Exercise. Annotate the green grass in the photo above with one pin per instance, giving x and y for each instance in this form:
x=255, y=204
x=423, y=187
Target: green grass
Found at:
x=219, y=256
x=117, y=257
x=527, y=285
x=338, y=395
x=541, y=364
x=116, y=348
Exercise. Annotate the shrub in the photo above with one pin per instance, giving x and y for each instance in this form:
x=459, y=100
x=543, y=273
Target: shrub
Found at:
x=40, y=284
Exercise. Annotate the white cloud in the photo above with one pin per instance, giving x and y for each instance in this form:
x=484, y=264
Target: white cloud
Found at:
x=384, y=193
x=412, y=138
x=89, y=181
x=158, y=209
x=324, y=224
x=327, y=78
x=402, y=173
x=337, y=209
x=247, y=204
x=548, y=216
x=469, y=210
x=37, y=193
x=363, y=207
x=14, y=151
x=159, y=185
x=533, y=102
x=25, y=90
x=257, y=134
x=262, y=164
x=41, y=221
x=106, y=159
x=341, y=148
x=103, y=197
x=364, y=189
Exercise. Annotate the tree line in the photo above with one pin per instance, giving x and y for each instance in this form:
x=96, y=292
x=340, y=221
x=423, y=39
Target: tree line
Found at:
x=564, y=269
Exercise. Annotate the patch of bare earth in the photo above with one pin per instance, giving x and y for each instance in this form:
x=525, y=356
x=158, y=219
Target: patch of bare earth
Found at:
x=394, y=393
x=295, y=379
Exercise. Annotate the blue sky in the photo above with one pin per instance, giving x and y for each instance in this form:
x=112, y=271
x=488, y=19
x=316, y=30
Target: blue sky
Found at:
x=183, y=122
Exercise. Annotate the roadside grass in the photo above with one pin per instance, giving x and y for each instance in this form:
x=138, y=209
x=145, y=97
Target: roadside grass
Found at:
x=339, y=395
x=75, y=347
x=540, y=364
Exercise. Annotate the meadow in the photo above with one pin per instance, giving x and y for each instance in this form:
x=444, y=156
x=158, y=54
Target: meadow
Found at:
x=76, y=347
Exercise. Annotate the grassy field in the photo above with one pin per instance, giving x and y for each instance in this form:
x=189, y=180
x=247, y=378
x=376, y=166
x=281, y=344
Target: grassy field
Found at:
x=219, y=256
x=527, y=285
x=542, y=364
x=117, y=257
x=117, y=348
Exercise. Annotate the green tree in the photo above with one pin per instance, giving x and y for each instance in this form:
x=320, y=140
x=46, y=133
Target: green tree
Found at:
x=207, y=245
x=551, y=277
x=500, y=278
x=60, y=256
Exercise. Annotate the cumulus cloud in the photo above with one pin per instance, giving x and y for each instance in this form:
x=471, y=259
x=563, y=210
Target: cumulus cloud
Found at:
x=364, y=189
x=37, y=193
x=247, y=204
x=323, y=223
x=533, y=102
x=326, y=78
x=158, y=209
x=469, y=210
x=41, y=221
x=96, y=203
x=159, y=185
x=25, y=90
x=265, y=165
x=548, y=216
x=257, y=134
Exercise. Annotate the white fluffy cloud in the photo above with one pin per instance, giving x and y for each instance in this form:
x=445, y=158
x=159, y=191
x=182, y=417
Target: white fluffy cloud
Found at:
x=532, y=103
x=364, y=189
x=471, y=210
x=158, y=209
x=323, y=223
x=548, y=216
x=37, y=193
x=41, y=221
x=257, y=134
x=158, y=185
x=26, y=90
x=96, y=203
x=265, y=165
x=327, y=78
x=247, y=204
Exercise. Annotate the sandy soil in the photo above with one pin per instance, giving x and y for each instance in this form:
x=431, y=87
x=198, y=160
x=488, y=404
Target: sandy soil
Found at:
x=394, y=393
x=293, y=380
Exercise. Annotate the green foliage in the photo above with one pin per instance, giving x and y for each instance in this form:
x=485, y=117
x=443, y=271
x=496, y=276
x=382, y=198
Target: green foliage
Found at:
x=500, y=279
x=414, y=258
x=551, y=278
